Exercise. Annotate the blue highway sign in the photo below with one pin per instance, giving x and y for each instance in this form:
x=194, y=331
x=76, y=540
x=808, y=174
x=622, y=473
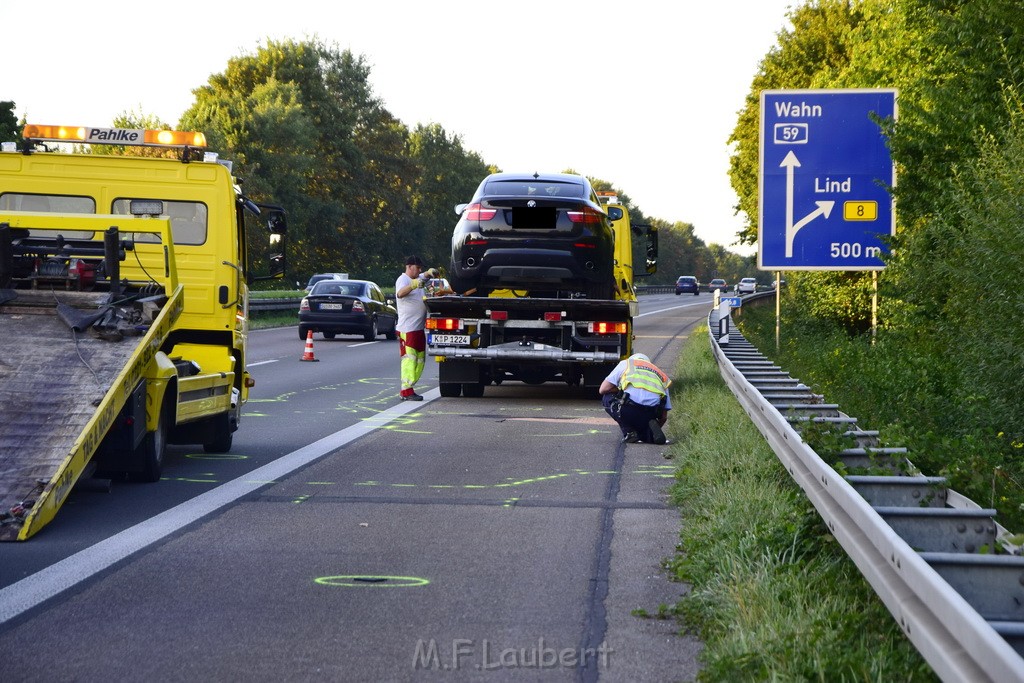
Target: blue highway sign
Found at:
x=825, y=174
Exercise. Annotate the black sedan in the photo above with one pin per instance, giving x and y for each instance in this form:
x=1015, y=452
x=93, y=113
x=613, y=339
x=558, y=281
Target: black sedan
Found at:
x=546, y=233
x=335, y=307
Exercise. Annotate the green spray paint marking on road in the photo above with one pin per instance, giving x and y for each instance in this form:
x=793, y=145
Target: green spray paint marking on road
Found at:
x=215, y=456
x=358, y=581
x=301, y=499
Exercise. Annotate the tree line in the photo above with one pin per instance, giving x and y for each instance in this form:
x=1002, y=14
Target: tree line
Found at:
x=305, y=130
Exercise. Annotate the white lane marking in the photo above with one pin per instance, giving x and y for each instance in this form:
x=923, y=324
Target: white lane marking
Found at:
x=53, y=580
x=262, y=362
x=672, y=308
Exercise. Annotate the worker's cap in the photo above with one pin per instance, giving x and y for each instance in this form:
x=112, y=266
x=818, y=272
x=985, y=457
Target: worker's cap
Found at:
x=640, y=356
x=414, y=261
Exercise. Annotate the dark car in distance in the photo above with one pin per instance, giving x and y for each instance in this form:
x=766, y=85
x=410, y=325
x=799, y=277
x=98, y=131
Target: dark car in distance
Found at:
x=317, y=277
x=717, y=283
x=546, y=233
x=334, y=307
x=687, y=284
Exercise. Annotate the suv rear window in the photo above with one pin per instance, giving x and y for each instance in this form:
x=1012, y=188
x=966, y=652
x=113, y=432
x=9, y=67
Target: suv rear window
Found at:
x=525, y=188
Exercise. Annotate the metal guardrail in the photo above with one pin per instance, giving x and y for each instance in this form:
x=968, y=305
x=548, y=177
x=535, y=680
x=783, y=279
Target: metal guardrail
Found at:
x=276, y=304
x=918, y=543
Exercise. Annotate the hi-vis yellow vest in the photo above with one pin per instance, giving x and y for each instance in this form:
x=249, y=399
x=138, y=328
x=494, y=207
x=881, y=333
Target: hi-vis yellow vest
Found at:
x=644, y=375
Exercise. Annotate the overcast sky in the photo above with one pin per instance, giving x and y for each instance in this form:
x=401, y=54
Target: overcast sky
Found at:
x=643, y=93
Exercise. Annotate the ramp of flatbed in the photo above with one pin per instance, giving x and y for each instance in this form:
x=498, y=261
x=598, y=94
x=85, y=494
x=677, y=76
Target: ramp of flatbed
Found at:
x=51, y=382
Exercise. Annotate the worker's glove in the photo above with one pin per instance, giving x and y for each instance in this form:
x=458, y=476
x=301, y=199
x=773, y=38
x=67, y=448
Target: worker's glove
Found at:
x=416, y=283
x=431, y=273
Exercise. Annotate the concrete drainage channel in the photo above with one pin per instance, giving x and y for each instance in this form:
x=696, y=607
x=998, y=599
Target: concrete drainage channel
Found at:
x=941, y=564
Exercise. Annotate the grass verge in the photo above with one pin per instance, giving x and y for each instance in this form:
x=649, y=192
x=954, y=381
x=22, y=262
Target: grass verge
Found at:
x=773, y=597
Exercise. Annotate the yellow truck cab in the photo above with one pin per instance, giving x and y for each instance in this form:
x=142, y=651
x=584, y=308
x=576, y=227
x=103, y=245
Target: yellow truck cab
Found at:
x=124, y=289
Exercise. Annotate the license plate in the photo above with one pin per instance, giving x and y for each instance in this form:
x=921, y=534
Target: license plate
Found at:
x=331, y=307
x=449, y=339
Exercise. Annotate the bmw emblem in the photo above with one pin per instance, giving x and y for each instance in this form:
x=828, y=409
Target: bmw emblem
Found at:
x=531, y=204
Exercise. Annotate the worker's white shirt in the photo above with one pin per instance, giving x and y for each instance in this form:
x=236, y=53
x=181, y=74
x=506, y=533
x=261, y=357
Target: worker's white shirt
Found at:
x=412, y=312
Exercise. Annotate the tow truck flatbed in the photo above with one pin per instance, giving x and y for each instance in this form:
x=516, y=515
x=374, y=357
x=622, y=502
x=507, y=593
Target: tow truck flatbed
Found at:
x=54, y=381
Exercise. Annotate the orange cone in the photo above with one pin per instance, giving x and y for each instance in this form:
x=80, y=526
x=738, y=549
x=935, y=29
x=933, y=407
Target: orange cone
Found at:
x=308, y=353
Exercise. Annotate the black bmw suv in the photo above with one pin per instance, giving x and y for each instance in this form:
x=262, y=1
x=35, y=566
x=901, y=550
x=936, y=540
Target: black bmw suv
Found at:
x=544, y=233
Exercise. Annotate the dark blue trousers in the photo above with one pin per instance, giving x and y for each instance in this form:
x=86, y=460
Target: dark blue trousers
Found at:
x=632, y=417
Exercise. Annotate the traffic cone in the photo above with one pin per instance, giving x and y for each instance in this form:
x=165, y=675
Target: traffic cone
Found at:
x=308, y=353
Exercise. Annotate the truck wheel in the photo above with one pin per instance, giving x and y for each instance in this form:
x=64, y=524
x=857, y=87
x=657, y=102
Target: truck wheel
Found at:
x=451, y=389
x=371, y=333
x=473, y=390
x=221, y=442
x=152, y=448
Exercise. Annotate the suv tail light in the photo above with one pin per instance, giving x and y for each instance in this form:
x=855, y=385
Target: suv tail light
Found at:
x=586, y=215
x=477, y=212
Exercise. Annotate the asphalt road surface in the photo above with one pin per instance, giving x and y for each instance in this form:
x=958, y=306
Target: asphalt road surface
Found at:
x=349, y=536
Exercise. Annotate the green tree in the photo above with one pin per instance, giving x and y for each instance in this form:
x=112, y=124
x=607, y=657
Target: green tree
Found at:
x=813, y=54
x=447, y=175
x=301, y=121
x=9, y=129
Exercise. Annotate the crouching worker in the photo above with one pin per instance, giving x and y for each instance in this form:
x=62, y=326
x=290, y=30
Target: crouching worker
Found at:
x=635, y=394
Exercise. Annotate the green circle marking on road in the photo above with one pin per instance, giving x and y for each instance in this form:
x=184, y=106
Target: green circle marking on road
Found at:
x=359, y=581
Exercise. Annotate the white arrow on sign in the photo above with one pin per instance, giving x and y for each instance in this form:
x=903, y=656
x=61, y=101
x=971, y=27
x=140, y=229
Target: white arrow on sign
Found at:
x=824, y=208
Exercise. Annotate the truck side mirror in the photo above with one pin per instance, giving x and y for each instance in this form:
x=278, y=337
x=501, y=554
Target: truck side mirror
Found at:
x=652, y=251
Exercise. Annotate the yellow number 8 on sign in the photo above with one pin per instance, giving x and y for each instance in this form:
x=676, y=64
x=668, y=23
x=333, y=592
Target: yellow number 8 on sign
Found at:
x=860, y=211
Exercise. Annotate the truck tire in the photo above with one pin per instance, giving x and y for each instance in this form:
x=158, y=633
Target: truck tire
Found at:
x=152, y=449
x=221, y=442
x=450, y=389
x=473, y=390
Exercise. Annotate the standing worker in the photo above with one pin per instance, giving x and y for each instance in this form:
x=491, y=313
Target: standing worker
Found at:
x=635, y=394
x=412, y=316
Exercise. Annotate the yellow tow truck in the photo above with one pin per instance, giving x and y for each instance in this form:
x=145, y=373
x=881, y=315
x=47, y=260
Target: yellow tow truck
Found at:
x=124, y=289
